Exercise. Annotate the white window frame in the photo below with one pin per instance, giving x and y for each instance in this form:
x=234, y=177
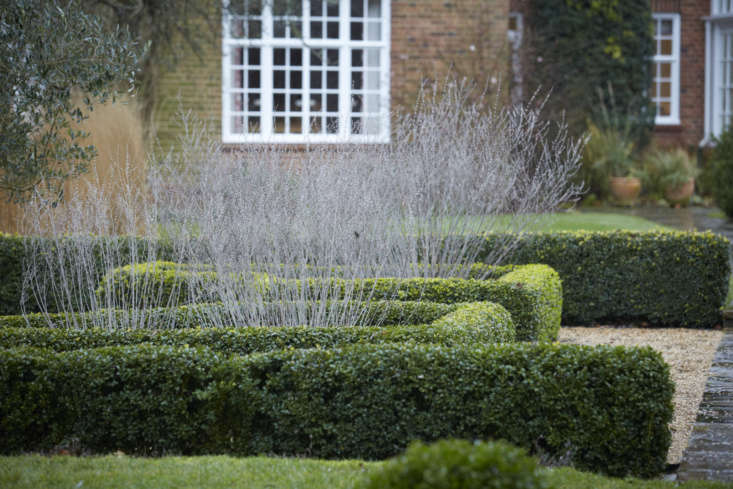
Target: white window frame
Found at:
x=267, y=43
x=674, y=59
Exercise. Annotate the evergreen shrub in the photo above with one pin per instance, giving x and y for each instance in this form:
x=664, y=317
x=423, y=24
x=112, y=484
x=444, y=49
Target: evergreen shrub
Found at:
x=609, y=408
x=452, y=464
x=667, y=278
x=722, y=172
x=471, y=324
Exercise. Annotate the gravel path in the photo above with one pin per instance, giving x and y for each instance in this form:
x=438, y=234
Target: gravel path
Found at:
x=689, y=353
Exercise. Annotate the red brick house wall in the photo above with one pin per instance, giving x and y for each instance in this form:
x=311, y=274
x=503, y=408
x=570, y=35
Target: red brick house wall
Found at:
x=429, y=39
x=692, y=73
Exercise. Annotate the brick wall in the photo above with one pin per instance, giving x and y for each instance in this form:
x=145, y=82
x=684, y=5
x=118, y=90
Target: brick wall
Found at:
x=430, y=39
x=692, y=73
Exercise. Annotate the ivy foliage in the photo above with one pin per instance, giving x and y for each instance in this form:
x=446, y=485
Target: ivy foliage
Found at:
x=49, y=50
x=581, y=47
x=722, y=172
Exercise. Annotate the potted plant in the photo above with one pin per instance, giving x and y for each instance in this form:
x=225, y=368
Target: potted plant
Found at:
x=608, y=157
x=671, y=174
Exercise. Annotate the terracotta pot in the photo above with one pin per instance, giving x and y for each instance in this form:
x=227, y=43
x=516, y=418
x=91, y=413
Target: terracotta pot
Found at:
x=680, y=194
x=625, y=189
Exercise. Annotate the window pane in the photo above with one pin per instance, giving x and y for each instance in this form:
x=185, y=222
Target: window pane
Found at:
x=296, y=57
x=356, y=103
x=237, y=124
x=278, y=125
x=356, y=125
x=357, y=80
x=316, y=102
x=238, y=56
x=332, y=125
x=374, y=8
x=665, y=109
x=372, y=103
x=665, y=70
x=254, y=79
x=254, y=56
x=332, y=30
x=316, y=8
x=278, y=28
x=374, y=31
x=332, y=79
x=254, y=29
x=357, y=31
x=278, y=102
x=357, y=57
x=665, y=89
x=278, y=79
x=254, y=125
x=372, y=80
x=666, y=47
x=236, y=28
x=317, y=30
x=357, y=8
x=332, y=56
x=296, y=103
x=238, y=79
x=296, y=125
x=372, y=58
x=316, y=125
x=332, y=102
x=316, y=79
x=254, y=102
x=666, y=27
x=278, y=57
x=316, y=57
x=238, y=102
x=332, y=8
x=279, y=7
x=296, y=79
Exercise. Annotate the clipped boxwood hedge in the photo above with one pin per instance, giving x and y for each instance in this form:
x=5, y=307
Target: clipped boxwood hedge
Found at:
x=471, y=324
x=372, y=313
x=607, y=408
x=663, y=277
x=531, y=293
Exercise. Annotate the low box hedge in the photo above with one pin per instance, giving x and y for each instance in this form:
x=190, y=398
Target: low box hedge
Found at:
x=471, y=324
x=531, y=293
x=372, y=313
x=607, y=409
x=663, y=277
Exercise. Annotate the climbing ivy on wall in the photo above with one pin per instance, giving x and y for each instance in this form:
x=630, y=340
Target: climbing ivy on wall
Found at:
x=593, y=54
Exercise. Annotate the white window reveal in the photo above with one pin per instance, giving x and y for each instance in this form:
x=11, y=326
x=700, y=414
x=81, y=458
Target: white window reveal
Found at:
x=665, y=92
x=724, y=81
x=306, y=71
x=722, y=7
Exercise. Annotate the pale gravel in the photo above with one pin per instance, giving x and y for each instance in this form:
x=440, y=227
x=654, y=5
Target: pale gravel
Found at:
x=689, y=353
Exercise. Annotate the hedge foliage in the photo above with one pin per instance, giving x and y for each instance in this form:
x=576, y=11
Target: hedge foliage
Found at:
x=609, y=408
x=471, y=324
x=532, y=293
x=15, y=252
x=666, y=278
x=372, y=313
x=451, y=464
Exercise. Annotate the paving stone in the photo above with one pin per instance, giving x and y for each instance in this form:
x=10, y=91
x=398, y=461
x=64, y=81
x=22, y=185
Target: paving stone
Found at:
x=709, y=453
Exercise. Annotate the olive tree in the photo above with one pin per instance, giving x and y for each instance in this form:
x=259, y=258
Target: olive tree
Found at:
x=49, y=52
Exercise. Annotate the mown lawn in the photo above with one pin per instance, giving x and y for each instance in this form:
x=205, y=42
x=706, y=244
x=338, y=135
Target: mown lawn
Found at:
x=33, y=472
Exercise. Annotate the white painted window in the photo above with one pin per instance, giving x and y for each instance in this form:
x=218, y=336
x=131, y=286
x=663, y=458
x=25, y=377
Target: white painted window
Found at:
x=665, y=92
x=723, y=108
x=310, y=71
x=722, y=7
x=514, y=34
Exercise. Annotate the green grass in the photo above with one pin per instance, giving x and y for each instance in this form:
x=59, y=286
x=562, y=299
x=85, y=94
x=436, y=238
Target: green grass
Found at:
x=228, y=472
x=593, y=221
